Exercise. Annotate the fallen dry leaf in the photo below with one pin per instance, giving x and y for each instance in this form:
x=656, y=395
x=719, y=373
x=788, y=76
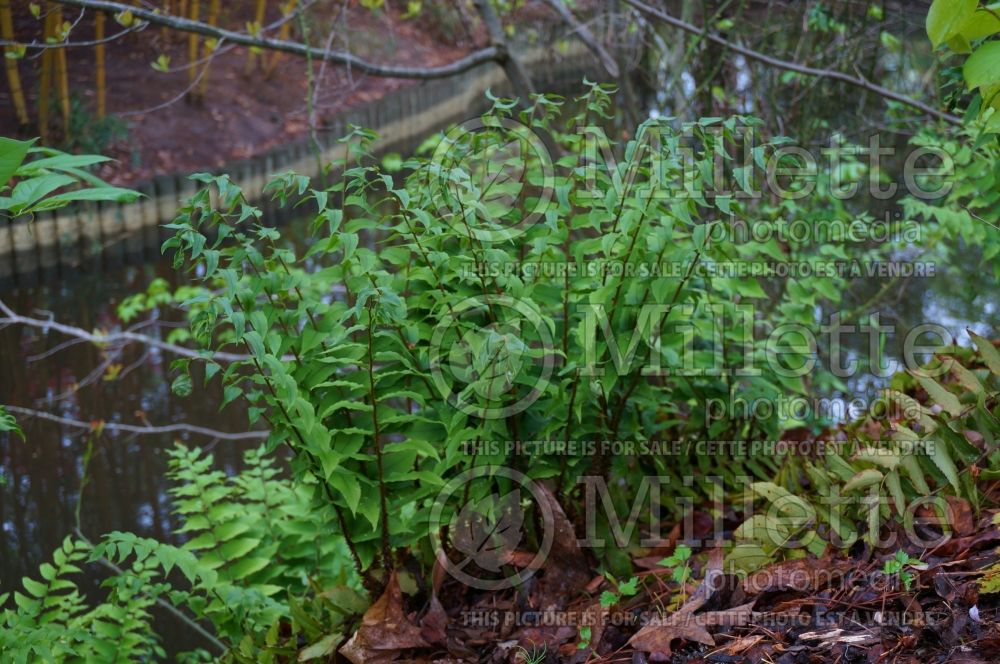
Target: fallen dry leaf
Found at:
x=434, y=622
x=660, y=632
x=801, y=575
x=743, y=644
x=566, y=570
x=960, y=516
x=385, y=630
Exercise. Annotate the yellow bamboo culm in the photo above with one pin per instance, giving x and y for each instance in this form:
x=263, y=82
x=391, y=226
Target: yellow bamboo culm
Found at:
x=13, y=77
x=100, y=74
x=62, y=77
x=194, y=7
x=213, y=19
x=167, y=7
x=258, y=18
x=45, y=78
x=182, y=10
x=283, y=34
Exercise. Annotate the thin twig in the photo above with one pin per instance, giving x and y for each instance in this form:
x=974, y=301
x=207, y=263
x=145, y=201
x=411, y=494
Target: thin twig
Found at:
x=144, y=429
x=115, y=337
x=794, y=66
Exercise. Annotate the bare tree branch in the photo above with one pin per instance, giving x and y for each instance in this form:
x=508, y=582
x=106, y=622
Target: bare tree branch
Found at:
x=136, y=429
x=114, y=337
x=794, y=66
x=511, y=64
x=488, y=54
x=586, y=36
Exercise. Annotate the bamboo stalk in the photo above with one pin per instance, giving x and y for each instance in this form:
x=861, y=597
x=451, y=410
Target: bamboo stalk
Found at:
x=100, y=74
x=258, y=22
x=182, y=8
x=45, y=78
x=167, y=8
x=284, y=32
x=209, y=46
x=194, y=7
x=13, y=76
x=62, y=78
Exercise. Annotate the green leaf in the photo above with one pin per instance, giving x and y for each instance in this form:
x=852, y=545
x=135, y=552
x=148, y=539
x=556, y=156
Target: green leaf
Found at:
x=945, y=17
x=939, y=394
x=36, y=588
x=182, y=386
x=863, y=479
x=321, y=648
x=8, y=423
x=630, y=587
x=895, y=486
x=12, y=154
x=115, y=194
x=941, y=457
x=983, y=66
x=247, y=566
x=238, y=548
x=983, y=23
x=988, y=352
x=30, y=191
x=65, y=162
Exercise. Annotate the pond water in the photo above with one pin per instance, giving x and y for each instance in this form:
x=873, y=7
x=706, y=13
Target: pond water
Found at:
x=40, y=479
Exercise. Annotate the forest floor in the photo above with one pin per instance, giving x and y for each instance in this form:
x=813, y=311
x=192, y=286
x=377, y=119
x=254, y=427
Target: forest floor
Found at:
x=926, y=590
x=153, y=127
x=806, y=610
x=834, y=608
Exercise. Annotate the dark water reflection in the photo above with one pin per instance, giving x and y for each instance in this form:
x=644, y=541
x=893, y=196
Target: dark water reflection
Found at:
x=126, y=488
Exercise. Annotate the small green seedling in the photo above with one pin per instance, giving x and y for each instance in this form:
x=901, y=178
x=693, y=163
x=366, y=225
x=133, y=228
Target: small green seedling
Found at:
x=586, y=633
x=625, y=589
x=679, y=563
x=900, y=565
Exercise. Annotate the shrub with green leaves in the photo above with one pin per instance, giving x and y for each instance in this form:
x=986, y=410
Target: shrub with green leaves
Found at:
x=968, y=29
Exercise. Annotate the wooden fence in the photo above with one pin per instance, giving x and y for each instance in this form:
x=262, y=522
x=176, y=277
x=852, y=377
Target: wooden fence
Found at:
x=103, y=236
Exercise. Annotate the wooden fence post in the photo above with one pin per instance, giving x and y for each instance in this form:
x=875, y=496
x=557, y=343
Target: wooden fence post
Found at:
x=25, y=250
x=70, y=236
x=6, y=253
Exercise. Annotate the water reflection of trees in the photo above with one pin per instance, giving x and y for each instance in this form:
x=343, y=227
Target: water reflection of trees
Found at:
x=126, y=483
